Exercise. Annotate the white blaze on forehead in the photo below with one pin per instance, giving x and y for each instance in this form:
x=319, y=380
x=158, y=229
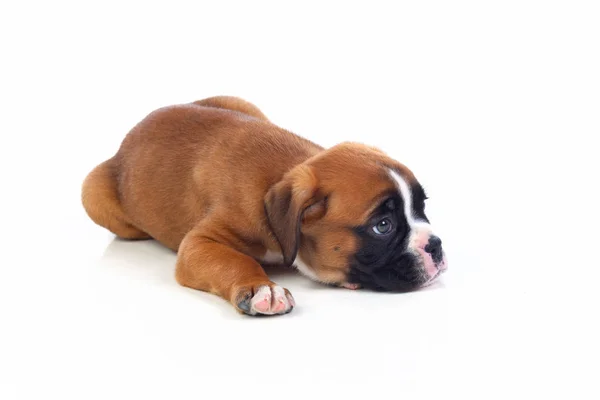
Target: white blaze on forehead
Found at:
x=419, y=229
x=406, y=196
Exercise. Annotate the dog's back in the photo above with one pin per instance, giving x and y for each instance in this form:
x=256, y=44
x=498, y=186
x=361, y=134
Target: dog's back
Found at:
x=172, y=170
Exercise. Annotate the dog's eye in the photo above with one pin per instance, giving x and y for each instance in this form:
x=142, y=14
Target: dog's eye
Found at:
x=382, y=227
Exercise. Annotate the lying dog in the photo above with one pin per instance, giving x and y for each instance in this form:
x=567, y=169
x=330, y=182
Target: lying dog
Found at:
x=227, y=189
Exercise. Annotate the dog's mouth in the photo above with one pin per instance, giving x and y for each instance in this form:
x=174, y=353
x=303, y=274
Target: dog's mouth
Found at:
x=351, y=286
x=431, y=268
x=411, y=271
x=432, y=279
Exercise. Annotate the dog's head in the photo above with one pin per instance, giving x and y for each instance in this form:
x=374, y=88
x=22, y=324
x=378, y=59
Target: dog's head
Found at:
x=354, y=217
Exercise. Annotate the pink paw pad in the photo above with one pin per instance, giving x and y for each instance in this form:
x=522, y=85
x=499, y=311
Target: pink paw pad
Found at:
x=279, y=307
x=263, y=305
x=271, y=300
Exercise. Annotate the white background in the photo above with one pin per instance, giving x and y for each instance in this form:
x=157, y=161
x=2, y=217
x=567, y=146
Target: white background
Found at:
x=494, y=105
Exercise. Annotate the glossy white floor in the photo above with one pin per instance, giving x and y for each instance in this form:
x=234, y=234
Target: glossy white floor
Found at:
x=493, y=107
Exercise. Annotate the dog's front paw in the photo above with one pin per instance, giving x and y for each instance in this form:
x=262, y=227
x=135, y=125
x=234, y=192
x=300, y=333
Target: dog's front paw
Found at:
x=269, y=299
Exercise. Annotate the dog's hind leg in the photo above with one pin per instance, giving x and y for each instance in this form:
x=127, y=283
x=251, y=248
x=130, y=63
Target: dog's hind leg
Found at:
x=101, y=202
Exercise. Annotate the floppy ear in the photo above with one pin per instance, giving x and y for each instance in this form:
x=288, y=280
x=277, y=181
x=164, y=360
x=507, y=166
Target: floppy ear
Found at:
x=285, y=205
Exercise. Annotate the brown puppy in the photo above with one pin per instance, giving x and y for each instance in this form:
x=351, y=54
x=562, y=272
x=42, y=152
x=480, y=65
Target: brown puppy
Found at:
x=220, y=184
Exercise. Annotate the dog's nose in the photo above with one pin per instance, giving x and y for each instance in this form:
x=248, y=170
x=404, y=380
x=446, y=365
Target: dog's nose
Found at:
x=434, y=247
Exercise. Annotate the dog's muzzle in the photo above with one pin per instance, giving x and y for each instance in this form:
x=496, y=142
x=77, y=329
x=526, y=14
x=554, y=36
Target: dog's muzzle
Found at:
x=429, y=250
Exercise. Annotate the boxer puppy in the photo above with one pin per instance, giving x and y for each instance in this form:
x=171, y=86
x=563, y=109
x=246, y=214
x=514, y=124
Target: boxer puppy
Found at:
x=228, y=190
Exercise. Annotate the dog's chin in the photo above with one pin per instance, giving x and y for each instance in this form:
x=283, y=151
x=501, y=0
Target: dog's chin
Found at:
x=431, y=280
x=429, y=268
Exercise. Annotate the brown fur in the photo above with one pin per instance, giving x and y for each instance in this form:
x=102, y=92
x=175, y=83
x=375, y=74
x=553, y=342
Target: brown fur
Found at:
x=220, y=184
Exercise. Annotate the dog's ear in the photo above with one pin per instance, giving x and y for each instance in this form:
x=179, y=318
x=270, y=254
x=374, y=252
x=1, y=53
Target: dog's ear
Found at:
x=289, y=203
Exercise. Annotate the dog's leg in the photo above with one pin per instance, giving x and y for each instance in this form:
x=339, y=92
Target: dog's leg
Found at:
x=101, y=202
x=215, y=267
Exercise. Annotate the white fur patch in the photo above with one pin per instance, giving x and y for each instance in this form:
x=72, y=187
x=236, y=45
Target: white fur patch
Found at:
x=280, y=299
x=272, y=257
x=263, y=294
x=418, y=228
x=269, y=301
x=305, y=269
x=420, y=232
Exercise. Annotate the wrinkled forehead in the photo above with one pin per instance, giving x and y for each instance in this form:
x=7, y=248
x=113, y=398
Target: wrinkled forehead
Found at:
x=357, y=192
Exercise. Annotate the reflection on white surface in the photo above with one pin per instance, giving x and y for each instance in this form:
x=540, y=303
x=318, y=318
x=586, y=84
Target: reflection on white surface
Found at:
x=493, y=105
